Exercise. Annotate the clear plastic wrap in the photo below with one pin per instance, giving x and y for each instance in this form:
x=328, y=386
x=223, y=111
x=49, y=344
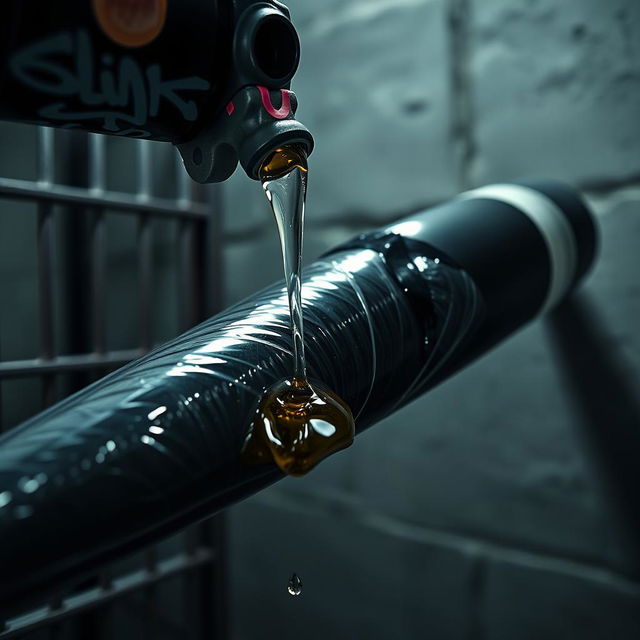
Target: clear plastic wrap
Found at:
x=155, y=445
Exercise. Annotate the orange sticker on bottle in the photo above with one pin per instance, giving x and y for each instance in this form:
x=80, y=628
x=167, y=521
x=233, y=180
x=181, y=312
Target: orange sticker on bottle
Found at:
x=131, y=23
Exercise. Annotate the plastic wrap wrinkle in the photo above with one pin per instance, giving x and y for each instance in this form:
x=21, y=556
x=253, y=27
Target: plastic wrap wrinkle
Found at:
x=457, y=311
x=363, y=302
x=133, y=449
x=156, y=444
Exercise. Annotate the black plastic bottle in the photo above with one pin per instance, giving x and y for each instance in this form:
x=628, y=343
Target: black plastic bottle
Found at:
x=210, y=76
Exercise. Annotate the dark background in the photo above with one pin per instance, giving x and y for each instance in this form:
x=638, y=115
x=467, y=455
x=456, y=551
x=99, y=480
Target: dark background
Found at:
x=503, y=505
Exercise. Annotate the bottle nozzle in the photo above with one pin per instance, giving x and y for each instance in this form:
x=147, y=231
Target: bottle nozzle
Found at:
x=255, y=123
x=282, y=161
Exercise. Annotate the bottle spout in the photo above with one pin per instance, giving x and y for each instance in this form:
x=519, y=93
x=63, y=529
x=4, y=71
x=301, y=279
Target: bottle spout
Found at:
x=273, y=127
x=259, y=116
x=254, y=123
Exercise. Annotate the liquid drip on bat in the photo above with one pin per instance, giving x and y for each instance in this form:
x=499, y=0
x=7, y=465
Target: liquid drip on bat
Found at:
x=297, y=423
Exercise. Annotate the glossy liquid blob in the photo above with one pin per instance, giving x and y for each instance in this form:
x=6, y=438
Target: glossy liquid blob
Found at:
x=295, y=585
x=297, y=424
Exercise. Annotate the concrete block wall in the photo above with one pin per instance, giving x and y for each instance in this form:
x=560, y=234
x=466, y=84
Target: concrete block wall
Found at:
x=482, y=510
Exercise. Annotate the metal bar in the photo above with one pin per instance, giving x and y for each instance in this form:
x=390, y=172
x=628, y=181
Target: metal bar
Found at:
x=213, y=252
x=44, y=157
x=97, y=165
x=98, y=244
x=210, y=581
x=1, y=410
x=145, y=280
x=90, y=624
x=45, y=245
x=184, y=252
x=62, y=364
x=191, y=612
x=210, y=586
x=98, y=597
x=98, y=282
x=45, y=295
x=186, y=274
x=45, y=279
x=143, y=161
x=105, y=582
x=219, y=598
x=77, y=274
x=118, y=202
x=55, y=604
x=145, y=246
x=194, y=212
x=190, y=601
x=151, y=566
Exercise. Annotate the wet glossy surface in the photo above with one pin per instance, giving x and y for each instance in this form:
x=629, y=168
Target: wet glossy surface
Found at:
x=155, y=446
x=284, y=180
x=296, y=426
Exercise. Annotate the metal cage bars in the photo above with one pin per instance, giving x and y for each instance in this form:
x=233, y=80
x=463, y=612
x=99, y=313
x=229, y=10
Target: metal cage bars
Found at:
x=95, y=199
x=198, y=246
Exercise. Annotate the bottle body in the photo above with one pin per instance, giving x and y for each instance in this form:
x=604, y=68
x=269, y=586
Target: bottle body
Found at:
x=173, y=71
x=149, y=69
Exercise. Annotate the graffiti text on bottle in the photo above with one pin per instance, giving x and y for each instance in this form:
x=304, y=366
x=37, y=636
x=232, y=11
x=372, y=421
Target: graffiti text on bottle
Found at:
x=120, y=94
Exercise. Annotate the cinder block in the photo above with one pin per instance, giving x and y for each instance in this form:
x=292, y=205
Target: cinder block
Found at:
x=491, y=454
x=532, y=603
x=358, y=582
x=499, y=451
x=373, y=88
x=556, y=89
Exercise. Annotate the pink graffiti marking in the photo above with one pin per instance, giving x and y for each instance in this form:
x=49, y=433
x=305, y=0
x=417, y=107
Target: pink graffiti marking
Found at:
x=281, y=113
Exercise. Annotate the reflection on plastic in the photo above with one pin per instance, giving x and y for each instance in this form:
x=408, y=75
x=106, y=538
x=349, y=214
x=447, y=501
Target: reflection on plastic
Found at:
x=297, y=425
x=156, y=445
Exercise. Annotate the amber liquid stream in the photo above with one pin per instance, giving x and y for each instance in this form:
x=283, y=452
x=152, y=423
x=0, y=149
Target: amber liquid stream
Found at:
x=298, y=423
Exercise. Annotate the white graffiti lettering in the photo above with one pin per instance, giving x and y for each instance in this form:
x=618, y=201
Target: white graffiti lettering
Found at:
x=118, y=93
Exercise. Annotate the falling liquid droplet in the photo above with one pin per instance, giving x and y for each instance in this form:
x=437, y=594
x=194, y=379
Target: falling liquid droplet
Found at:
x=295, y=585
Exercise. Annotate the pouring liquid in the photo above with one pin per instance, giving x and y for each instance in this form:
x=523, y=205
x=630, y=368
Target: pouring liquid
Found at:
x=297, y=423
